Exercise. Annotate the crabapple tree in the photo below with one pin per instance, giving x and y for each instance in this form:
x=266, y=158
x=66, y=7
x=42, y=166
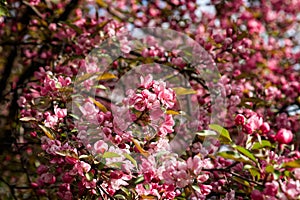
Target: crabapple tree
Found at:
x=178, y=99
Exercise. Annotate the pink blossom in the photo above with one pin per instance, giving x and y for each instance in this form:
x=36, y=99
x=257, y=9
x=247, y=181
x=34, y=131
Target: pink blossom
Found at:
x=175, y=173
x=291, y=188
x=50, y=84
x=100, y=146
x=139, y=102
x=167, y=126
x=22, y=101
x=253, y=124
x=67, y=178
x=205, y=189
x=89, y=184
x=151, y=98
x=297, y=173
x=165, y=95
x=64, y=81
x=146, y=82
x=256, y=195
x=34, y=2
x=48, y=178
x=156, y=112
x=118, y=179
x=178, y=62
x=85, y=166
x=151, y=191
x=194, y=164
x=255, y=26
x=247, y=129
x=52, y=27
x=59, y=112
x=88, y=109
x=230, y=195
x=271, y=188
x=65, y=195
x=51, y=121
x=42, y=169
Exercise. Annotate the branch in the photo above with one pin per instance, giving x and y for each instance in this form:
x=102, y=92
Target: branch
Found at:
x=11, y=188
x=7, y=71
x=227, y=170
x=69, y=8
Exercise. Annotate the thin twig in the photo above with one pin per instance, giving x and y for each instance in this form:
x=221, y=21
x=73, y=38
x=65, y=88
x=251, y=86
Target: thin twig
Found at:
x=33, y=8
x=107, y=194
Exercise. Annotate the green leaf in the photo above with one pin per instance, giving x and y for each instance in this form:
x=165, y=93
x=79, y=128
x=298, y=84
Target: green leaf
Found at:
x=74, y=116
x=148, y=197
x=205, y=133
x=120, y=196
x=263, y=144
x=292, y=164
x=287, y=173
x=139, y=180
x=86, y=77
x=255, y=173
x=3, y=9
x=241, y=181
x=129, y=157
x=183, y=91
x=232, y=155
x=99, y=105
x=125, y=190
x=110, y=155
x=172, y=112
x=101, y=3
x=100, y=87
x=115, y=165
x=28, y=119
x=229, y=155
x=48, y=132
x=276, y=174
x=89, y=176
x=106, y=76
x=147, y=186
x=196, y=188
x=83, y=156
x=245, y=152
x=248, y=166
x=67, y=153
x=224, y=134
x=269, y=169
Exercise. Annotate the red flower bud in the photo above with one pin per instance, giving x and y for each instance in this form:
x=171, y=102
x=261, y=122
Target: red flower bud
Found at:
x=284, y=136
x=265, y=128
x=240, y=119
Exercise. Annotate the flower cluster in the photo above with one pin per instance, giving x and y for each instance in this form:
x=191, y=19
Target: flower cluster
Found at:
x=150, y=103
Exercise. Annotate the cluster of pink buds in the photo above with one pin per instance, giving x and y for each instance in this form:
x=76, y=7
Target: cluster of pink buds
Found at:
x=253, y=124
